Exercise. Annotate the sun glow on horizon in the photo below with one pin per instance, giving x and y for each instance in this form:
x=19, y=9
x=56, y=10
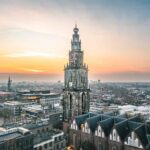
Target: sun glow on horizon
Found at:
x=32, y=54
x=35, y=37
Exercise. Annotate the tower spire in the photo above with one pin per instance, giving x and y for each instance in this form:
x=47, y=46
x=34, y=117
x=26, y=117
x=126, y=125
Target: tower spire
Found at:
x=75, y=43
x=9, y=84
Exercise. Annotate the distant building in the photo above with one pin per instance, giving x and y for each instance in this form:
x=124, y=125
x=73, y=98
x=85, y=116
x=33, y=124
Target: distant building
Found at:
x=16, y=139
x=5, y=96
x=50, y=140
x=34, y=95
x=56, y=118
x=45, y=137
x=39, y=136
x=50, y=100
x=14, y=107
x=38, y=127
x=33, y=110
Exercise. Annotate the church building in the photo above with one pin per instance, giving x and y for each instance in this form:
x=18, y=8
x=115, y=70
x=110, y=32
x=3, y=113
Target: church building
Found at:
x=105, y=131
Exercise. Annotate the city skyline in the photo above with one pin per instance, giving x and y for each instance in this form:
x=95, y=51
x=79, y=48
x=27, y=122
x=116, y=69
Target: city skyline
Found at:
x=35, y=38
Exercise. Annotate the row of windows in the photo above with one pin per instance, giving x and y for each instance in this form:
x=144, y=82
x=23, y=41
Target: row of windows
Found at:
x=24, y=145
x=61, y=145
x=46, y=146
x=58, y=138
x=49, y=145
x=43, y=130
x=24, y=142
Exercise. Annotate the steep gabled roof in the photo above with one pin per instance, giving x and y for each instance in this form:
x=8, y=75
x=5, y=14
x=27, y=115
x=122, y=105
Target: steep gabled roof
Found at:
x=133, y=125
x=92, y=122
x=122, y=129
x=141, y=133
x=82, y=118
x=125, y=127
x=122, y=124
x=107, y=125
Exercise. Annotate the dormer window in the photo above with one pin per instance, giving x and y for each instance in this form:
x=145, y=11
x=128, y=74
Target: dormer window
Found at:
x=114, y=135
x=133, y=140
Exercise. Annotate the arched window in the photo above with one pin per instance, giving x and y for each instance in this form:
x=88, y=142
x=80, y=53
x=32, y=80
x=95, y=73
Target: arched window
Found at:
x=114, y=136
x=70, y=98
x=83, y=102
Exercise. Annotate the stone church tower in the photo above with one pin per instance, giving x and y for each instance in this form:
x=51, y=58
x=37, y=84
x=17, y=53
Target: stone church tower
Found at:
x=76, y=91
x=9, y=84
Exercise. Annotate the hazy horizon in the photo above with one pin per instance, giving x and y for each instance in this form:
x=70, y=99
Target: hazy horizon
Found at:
x=122, y=77
x=35, y=38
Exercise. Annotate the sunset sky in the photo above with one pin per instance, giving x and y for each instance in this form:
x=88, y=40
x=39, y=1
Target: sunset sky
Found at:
x=35, y=38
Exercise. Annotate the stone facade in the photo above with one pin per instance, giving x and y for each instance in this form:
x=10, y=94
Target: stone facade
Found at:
x=76, y=92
